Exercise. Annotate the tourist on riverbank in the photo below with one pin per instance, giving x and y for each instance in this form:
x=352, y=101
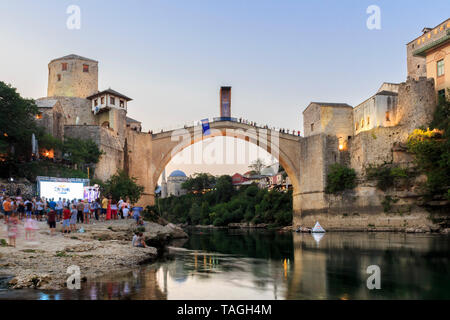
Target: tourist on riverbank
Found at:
x=66, y=220
x=52, y=204
x=108, y=209
x=125, y=209
x=119, y=205
x=114, y=209
x=104, y=207
x=80, y=208
x=21, y=209
x=28, y=208
x=73, y=218
x=51, y=221
x=136, y=213
x=86, y=211
x=13, y=221
x=39, y=209
x=7, y=208
x=59, y=209
x=139, y=240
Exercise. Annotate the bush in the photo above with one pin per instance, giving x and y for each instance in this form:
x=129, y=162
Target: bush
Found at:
x=340, y=178
x=385, y=175
x=387, y=203
x=431, y=149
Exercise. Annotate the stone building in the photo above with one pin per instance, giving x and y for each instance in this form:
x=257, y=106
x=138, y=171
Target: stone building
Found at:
x=174, y=182
x=377, y=111
x=429, y=56
x=329, y=118
x=74, y=107
x=72, y=76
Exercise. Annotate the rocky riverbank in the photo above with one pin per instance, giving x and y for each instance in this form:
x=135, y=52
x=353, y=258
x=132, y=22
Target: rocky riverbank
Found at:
x=103, y=248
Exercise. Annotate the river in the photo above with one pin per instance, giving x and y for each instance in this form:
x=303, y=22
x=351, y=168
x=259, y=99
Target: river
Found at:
x=260, y=264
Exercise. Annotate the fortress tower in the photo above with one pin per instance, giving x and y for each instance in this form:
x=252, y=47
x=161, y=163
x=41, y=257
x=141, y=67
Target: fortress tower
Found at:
x=72, y=76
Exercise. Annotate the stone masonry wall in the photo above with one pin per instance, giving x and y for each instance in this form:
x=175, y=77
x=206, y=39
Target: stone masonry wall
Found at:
x=73, y=81
x=108, y=142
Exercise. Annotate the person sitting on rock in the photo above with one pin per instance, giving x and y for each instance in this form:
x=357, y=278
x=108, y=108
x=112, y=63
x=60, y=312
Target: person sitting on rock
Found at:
x=139, y=241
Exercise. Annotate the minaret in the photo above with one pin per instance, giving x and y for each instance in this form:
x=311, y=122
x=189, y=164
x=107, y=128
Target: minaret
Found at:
x=164, y=185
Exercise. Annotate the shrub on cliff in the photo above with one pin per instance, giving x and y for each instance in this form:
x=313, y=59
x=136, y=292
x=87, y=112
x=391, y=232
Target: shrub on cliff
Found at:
x=340, y=178
x=431, y=149
x=385, y=175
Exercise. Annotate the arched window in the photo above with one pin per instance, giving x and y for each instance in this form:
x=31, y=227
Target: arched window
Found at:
x=105, y=124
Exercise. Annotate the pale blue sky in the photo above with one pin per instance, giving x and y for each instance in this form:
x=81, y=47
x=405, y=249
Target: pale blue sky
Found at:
x=171, y=57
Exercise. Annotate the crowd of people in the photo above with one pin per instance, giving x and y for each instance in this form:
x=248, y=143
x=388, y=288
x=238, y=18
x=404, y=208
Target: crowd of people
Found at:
x=281, y=130
x=69, y=213
x=251, y=123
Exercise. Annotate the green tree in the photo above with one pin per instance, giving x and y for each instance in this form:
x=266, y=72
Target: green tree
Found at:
x=121, y=185
x=195, y=213
x=17, y=125
x=81, y=152
x=340, y=178
x=199, y=182
x=224, y=188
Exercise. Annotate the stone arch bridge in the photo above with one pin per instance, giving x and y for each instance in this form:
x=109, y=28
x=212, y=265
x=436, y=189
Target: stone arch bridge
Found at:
x=305, y=159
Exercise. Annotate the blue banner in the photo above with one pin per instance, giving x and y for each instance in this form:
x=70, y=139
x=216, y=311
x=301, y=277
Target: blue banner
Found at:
x=205, y=125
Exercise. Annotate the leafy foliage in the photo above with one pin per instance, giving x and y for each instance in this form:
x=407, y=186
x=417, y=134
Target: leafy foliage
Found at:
x=121, y=185
x=199, y=182
x=431, y=148
x=17, y=125
x=17, y=122
x=81, y=152
x=224, y=205
x=385, y=175
x=340, y=178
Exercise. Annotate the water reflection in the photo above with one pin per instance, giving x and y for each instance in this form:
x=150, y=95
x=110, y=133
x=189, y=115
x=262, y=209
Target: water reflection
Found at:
x=237, y=264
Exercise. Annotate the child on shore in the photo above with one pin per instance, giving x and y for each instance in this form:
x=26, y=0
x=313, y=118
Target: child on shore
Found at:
x=125, y=210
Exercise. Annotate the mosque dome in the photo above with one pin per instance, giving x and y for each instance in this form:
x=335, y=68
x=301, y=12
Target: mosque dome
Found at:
x=178, y=173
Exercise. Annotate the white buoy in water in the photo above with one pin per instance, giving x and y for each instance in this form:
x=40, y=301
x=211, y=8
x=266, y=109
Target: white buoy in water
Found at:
x=318, y=228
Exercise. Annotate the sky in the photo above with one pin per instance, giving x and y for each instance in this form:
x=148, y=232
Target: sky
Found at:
x=171, y=57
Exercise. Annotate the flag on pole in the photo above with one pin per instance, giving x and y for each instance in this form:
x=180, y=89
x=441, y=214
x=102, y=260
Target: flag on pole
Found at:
x=206, y=128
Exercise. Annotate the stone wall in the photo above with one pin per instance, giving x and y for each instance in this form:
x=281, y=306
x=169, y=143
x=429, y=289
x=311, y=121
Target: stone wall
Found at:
x=329, y=120
x=77, y=108
x=138, y=163
x=416, y=103
x=26, y=188
x=362, y=208
x=108, y=141
x=52, y=117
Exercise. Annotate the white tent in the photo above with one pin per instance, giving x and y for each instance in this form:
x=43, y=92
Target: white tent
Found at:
x=318, y=228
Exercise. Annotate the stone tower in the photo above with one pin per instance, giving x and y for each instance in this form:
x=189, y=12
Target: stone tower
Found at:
x=72, y=76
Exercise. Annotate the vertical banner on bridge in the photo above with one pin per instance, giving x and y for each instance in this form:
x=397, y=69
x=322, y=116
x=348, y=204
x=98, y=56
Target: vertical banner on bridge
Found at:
x=206, y=128
x=225, y=102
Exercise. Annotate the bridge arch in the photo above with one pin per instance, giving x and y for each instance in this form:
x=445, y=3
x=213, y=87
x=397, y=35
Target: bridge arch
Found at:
x=154, y=152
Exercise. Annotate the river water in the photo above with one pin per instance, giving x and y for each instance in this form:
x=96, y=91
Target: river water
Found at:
x=256, y=264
